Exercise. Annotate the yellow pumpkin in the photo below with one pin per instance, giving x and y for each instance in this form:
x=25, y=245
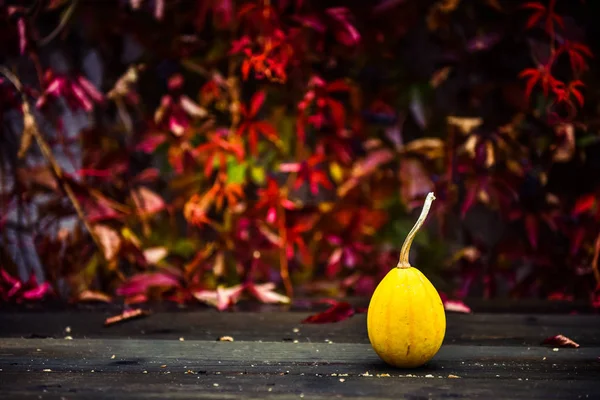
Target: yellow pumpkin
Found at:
x=406, y=321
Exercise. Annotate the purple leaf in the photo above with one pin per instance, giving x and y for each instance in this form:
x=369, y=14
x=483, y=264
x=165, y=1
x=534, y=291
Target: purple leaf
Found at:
x=38, y=292
x=386, y=5
x=22, y=35
x=311, y=22
x=338, y=312
x=90, y=89
x=347, y=35
x=560, y=341
x=150, y=143
x=141, y=283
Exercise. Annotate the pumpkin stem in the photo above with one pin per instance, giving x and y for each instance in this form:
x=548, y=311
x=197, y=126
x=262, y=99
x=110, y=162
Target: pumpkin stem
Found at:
x=403, y=262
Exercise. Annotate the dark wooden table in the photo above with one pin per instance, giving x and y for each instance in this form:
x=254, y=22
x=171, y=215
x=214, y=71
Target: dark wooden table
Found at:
x=175, y=354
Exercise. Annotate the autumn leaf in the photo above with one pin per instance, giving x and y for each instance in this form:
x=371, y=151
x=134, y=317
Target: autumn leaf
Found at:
x=146, y=201
x=265, y=293
x=585, y=204
x=564, y=93
x=221, y=298
x=365, y=167
x=576, y=52
x=456, y=306
x=253, y=128
x=12, y=289
x=93, y=296
x=78, y=92
x=464, y=124
x=141, y=283
x=339, y=311
x=541, y=75
x=309, y=172
x=344, y=30
x=269, y=200
x=217, y=151
x=109, y=239
x=540, y=11
x=154, y=255
x=560, y=341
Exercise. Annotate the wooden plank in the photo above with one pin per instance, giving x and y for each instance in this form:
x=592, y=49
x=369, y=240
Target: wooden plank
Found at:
x=477, y=329
x=118, y=386
x=85, y=368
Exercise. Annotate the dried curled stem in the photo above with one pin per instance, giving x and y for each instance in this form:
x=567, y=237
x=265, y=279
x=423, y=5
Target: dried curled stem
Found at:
x=404, y=252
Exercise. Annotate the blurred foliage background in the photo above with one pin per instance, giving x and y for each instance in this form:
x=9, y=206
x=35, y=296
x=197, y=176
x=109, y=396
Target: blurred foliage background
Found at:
x=206, y=151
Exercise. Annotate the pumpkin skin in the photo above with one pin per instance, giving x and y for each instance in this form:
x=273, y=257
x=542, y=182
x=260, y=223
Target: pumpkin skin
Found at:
x=406, y=320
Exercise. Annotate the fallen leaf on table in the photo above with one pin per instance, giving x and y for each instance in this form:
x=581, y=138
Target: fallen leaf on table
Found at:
x=560, y=341
x=338, y=312
x=125, y=316
x=456, y=306
x=91, y=295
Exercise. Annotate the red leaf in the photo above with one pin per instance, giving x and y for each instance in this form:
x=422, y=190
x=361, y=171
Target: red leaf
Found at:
x=147, y=175
x=469, y=200
x=265, y=293
x=456, y=306
x=533, y=6
x=267, y=130
x=252, y=138
x=141, y=283
x=533, y=19
x=531, y=226
x=560, y=341
x=311, y=22
x=338, y=312
x=346, y=33
x=150, y=143
x=386, y=5
x=22, y=35
x=256, y=103
x=37, y=292
x=246, y=69
x=146, y=201
x=220, y=298
x=338, y=114
x=99, y=209
x=338, y=86
x=90, y=89
x=126, y=316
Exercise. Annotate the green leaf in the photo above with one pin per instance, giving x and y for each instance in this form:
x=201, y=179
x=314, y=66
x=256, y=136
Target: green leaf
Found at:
x=287, y=133
x=236, y=172
x=184, y=248
x=588, y=140
x=258, y=174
